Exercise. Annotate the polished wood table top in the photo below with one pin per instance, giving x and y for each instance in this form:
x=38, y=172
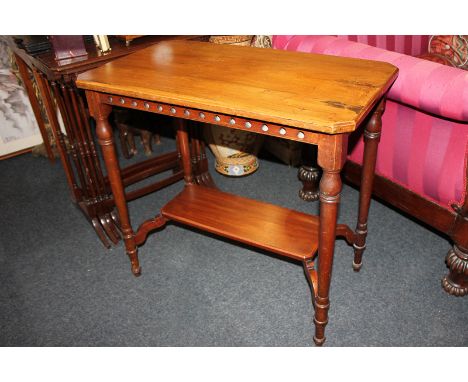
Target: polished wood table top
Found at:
x=309, y=91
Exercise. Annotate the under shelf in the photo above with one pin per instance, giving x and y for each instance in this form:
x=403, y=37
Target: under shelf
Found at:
x=280, y=230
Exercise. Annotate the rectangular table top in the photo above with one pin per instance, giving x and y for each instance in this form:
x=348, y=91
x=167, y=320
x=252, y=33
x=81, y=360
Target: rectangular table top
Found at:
x=310, y=91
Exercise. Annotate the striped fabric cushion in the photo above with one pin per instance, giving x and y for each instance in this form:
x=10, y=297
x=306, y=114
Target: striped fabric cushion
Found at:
x=420, y=147
x=426, y=155
x=407, y=44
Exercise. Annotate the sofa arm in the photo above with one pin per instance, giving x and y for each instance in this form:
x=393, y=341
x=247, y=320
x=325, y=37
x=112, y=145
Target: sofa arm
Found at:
x=425, y=85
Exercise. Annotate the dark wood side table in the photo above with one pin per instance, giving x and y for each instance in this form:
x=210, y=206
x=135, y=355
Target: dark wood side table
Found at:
x=315, y=99
x=89, y=187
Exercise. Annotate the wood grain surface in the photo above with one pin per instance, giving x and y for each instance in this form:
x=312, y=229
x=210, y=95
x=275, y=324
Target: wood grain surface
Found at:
x=283, y=231
x=310, y=91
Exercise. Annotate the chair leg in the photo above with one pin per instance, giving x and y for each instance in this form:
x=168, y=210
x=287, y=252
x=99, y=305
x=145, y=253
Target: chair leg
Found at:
x=456, y=282
x=309, y=174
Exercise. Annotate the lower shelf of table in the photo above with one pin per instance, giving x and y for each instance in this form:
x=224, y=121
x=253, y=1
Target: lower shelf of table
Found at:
x=280, y=230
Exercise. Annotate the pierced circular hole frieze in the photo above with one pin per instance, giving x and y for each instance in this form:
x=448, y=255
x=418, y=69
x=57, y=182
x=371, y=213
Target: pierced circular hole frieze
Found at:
x=256, y=126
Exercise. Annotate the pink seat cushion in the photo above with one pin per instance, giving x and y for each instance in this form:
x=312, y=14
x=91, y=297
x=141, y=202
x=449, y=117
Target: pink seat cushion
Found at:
x=424, y=154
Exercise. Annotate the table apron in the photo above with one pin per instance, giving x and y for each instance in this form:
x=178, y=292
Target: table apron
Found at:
x=231, y=121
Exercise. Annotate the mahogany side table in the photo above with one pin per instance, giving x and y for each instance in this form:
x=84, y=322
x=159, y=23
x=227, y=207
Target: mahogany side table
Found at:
x=310, y=98
x=89, y=186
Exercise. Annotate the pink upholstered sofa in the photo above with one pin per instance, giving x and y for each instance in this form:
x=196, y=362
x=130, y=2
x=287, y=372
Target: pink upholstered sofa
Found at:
x=422, y=158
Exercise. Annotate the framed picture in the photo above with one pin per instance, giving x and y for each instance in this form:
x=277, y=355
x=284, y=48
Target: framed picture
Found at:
x=18, y=127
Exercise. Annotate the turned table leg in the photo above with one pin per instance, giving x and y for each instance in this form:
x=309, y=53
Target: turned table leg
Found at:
x=331, y=157
x=184, y=149
x=200, y=170
x=371, y=142
x=106, y=140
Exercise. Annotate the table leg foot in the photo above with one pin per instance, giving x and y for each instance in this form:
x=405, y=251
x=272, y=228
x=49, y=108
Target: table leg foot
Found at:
x=357, y=267
x=133, y=255
x=359, y=245
x=115, y=230
x=107, y=225
x=319, y=337
x=100, y=232
x=319, y=341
